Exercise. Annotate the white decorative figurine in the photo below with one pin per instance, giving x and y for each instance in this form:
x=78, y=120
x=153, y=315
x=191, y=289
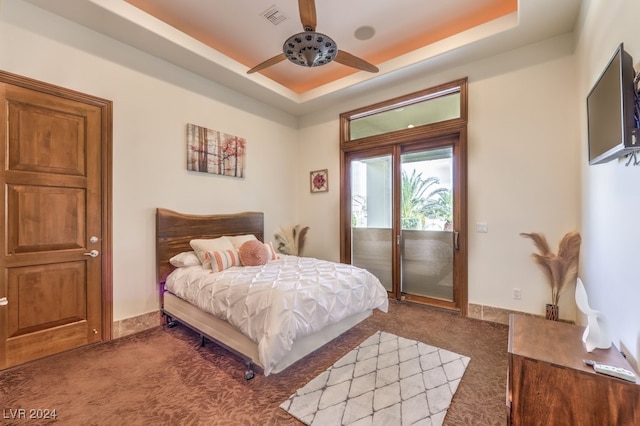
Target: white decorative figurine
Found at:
x=596, y=334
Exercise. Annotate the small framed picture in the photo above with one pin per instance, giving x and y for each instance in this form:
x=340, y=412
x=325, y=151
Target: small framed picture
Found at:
x=319, y=181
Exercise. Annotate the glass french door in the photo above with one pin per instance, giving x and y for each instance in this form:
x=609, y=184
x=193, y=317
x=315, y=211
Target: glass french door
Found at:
x=403, y=219
x=427, y=233
x=372, y=234
x=403, y=194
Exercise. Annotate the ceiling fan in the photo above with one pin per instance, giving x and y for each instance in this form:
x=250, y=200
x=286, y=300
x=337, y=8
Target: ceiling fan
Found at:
x=312, y=49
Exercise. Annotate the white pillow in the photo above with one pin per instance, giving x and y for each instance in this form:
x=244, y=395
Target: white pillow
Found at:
x=187, y=258
x=238, y=240
x=201, y=247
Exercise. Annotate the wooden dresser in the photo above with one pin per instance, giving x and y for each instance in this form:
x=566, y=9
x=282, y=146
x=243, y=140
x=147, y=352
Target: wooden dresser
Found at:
x=549, y=384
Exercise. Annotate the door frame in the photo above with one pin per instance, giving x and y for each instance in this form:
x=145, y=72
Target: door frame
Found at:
x=106, y=158
x=425, y=135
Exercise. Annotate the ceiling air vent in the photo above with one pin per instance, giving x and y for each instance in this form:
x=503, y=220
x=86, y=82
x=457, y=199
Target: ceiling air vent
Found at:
x=274, y=15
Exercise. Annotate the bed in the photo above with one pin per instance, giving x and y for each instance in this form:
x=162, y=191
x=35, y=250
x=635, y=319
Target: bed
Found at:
x=187, y=294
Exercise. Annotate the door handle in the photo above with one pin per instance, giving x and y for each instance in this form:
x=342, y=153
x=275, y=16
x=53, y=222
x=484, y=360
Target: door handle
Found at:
x=92, y=253
x=3, y=301
x=456, y=238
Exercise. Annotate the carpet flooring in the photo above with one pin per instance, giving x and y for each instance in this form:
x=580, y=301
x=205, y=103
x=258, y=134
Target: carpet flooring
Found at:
x=162, y=376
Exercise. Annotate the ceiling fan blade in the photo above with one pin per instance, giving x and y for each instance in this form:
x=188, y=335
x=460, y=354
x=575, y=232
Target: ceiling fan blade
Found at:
x=349, y=60
x=307, y=14
x=278, y=58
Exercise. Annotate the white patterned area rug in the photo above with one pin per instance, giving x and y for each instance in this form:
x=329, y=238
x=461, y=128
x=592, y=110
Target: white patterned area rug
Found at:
x=387, y=380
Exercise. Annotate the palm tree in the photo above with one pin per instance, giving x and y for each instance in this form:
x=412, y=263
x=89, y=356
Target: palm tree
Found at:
x=421, y=199
x=442, y=209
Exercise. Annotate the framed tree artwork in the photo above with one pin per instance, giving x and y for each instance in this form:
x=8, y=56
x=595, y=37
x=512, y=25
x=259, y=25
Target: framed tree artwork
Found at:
x=319, y=181
x=211, y=151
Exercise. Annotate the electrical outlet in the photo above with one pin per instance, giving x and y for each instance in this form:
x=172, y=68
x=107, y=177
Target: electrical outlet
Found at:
x=482, y=227
x=517, y=294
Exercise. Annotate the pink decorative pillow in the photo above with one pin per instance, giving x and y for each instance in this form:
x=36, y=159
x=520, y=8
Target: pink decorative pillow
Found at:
x=253, y=253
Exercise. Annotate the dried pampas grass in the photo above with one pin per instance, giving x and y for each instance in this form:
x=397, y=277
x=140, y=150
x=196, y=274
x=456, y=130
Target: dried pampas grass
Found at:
x=560, y=269
x=291, y=239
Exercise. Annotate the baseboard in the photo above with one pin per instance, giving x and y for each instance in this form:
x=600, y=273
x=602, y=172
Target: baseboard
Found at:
x=135, y=324
x=491, y=313
x=149, y=320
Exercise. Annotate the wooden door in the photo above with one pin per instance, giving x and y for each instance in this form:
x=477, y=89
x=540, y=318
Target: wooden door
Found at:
x=51, y=147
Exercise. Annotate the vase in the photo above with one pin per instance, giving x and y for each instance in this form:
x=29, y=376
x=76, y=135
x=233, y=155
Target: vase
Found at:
x=552, y=312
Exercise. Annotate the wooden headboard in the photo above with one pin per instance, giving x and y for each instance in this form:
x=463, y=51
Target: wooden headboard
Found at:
x=174, y=231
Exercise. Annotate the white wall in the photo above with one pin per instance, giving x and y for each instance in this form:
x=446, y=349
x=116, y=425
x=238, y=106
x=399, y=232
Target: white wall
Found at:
x=524, y=153
x=523, y=171
x=152, y=103
x=610, y=192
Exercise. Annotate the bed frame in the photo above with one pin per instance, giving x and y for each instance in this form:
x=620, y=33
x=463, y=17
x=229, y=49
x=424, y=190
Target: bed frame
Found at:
x=174, y=231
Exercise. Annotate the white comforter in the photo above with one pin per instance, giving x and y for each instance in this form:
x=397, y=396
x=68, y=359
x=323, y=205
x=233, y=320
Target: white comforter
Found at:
x=285, y=299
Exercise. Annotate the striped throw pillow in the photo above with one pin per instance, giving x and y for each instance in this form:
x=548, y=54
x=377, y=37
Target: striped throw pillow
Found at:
x=272, y=253
x=223, y=259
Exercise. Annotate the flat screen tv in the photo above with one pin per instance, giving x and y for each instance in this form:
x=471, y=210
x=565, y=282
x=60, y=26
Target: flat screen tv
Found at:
x=610, y=111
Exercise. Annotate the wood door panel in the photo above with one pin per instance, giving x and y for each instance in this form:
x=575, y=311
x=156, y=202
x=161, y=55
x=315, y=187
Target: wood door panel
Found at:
x=43, y=343
x=46, y=140
x=46, y=296
x=31, y=178
x=45, y=219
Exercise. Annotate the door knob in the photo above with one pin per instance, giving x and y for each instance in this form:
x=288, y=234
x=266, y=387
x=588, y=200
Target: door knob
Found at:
x=93, y=253
x=3, y=301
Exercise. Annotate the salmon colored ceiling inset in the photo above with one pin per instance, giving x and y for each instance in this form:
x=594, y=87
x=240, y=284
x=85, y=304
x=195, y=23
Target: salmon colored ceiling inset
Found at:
x=300, y=79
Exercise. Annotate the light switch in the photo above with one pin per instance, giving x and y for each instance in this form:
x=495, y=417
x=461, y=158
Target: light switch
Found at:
x=482, y=227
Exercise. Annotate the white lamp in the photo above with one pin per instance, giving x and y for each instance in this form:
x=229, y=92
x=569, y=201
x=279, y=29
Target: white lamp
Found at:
x=596, y=335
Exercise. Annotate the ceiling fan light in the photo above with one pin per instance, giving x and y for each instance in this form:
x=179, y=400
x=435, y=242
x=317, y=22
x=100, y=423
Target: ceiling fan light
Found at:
x=310, y=49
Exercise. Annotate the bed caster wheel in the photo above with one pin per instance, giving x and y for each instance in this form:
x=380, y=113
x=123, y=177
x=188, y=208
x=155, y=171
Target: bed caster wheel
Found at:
x=248, y=375
x=171, y=323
